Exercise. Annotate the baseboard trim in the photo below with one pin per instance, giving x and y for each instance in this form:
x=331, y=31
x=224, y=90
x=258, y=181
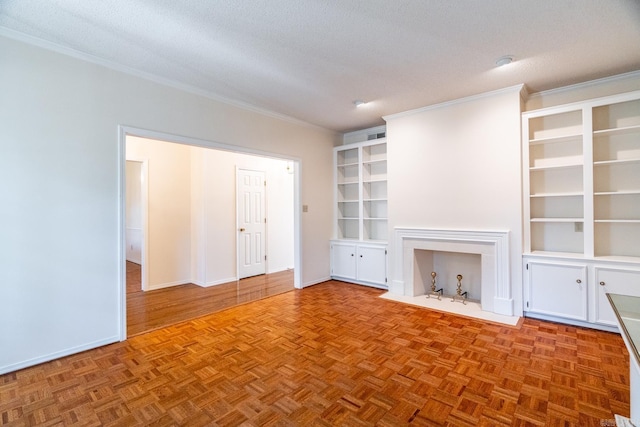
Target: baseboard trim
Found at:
x=168, y=285
x=215, y=282
x=57, y=355
x=316, y=282
x=565, y=321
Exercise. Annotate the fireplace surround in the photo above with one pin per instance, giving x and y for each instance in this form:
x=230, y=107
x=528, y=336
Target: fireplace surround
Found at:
x=491, y=245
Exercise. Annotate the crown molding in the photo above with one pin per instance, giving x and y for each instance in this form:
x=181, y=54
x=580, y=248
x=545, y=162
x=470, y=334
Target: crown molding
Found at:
x=583, y=85
x=519, y=88
x=83, y=56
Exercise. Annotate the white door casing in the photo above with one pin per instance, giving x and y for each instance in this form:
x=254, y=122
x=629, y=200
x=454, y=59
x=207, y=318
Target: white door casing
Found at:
x=251, y=222
x=133, y=211
x=144, y=218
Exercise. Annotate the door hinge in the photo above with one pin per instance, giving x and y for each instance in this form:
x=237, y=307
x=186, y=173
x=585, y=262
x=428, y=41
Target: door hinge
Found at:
x=385, y=251
x=265, y=220
x=527, y=266
x=265, y=183
x=527, y=304
x=265, y=257
x=385, y=280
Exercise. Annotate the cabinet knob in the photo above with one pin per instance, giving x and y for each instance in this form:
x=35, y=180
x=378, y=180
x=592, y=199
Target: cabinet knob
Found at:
x=360, y=256
x=601, y=283
x=578, y=281
x=351, y=254
x=242, y=229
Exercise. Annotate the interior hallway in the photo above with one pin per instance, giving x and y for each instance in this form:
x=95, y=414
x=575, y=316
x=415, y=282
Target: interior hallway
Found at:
x=151, y=310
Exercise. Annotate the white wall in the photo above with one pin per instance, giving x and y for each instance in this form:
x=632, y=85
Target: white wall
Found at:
x=168, y=260
x=457, y=166
x=216, y=214
x=60, y=271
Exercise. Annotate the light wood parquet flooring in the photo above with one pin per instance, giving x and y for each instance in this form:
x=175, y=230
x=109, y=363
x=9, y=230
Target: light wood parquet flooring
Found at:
x=333, y=354
x=151, y=310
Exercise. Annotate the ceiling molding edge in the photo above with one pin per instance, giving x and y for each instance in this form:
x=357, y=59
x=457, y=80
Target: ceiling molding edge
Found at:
x=589, y=83
x=519, y=88
x=83, y=56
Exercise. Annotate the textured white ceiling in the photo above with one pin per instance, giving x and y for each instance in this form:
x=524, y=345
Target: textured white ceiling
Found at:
x=310, y=59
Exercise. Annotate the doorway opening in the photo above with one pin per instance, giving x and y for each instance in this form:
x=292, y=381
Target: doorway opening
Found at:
x=199, y=246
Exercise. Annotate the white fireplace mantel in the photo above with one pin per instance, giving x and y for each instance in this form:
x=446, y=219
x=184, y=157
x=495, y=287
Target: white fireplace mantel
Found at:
x=492, y=246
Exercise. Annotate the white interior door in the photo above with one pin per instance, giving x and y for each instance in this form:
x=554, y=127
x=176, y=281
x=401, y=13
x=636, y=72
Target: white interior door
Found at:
x=251, y=222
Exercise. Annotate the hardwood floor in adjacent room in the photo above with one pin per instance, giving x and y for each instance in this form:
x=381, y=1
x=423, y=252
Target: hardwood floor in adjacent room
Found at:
x=333, y=354
x=151, y=310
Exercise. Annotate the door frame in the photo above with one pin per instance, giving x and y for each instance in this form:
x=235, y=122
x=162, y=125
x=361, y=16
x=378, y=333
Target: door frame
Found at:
x=124, y=131
x=144, y=207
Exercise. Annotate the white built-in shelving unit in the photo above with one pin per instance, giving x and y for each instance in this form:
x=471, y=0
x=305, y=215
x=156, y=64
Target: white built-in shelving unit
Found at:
x=581, y=178
x=359, y=248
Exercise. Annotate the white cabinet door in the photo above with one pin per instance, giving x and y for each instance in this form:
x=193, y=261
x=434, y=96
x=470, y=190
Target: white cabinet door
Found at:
x=557, y=289
x=614, y=281
x=343, y=260
x=372, y=264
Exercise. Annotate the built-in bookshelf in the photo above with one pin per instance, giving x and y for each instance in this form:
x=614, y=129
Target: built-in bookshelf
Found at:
x=581, y=176
x=359, y=247
x=361, y=193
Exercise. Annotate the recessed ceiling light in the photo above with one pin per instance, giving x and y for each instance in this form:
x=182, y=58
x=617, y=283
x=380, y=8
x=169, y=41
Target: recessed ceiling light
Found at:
x=358, y=103
x=504, y=60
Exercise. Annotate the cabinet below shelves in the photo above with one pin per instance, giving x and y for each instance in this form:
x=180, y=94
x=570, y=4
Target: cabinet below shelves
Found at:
x=613, y=281
x=359, y=262
x=574, y=290
x=557, y=289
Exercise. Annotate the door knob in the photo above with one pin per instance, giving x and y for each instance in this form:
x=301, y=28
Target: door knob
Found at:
x=578, y=281
x=601, y=283
x=242, y=229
